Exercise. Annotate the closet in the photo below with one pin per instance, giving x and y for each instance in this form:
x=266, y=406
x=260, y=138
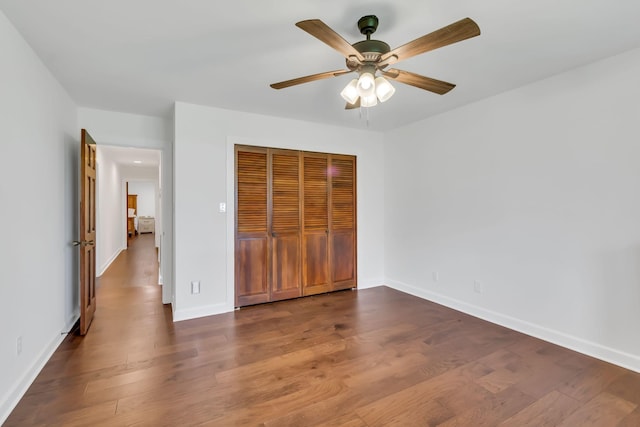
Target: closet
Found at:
x=295, y=231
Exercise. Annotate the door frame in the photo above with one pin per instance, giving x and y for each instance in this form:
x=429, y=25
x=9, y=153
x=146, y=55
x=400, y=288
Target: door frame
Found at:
x=164, y=205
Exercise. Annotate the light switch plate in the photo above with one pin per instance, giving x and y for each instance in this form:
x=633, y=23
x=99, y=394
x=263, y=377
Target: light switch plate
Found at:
x=222, y=208
x=195, y=287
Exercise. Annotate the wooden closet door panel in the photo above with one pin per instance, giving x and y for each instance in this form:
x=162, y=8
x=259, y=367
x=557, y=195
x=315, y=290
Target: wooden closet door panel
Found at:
x=343, y=222
x=316, y=264
x=251, y=191
x=252, y=222
x=252, y=254
x=286, y=279
x=315, y=271
x=343, y=266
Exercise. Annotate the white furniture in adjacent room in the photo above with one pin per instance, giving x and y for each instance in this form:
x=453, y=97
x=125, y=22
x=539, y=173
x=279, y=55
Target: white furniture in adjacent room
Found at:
x=146, y=224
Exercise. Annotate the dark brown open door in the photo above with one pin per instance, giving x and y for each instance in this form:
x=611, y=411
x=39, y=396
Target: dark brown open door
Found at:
x=87, y=241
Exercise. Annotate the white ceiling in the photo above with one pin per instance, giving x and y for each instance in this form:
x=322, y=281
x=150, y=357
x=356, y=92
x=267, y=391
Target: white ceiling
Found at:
x=126, y=156
x=139, y=56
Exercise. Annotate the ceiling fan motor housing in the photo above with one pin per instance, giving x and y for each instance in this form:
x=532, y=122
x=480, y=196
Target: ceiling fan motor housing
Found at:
x=371, y=50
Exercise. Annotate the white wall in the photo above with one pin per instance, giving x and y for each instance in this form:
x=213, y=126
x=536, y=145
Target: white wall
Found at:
x=127, y=130
x=110, y=225
x=534, y=193
x=204, y=140
x=132, y=130
x=146, y=192
x=39, y=158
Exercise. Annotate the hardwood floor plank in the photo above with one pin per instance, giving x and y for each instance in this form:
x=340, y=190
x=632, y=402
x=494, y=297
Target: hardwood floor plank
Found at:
x=591, y=381
x=631, y=420
x=94, y=415
x=374, y=357
x=345, y=421
x=548, y=411
x=626, y=386
x=491, y=410
x=603, y=410
x=438, y=389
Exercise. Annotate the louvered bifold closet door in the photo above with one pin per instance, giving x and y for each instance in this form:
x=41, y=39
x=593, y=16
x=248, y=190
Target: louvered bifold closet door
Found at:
x=315, y=245
x=286, y=255
x=252, y=254
x=342, y=230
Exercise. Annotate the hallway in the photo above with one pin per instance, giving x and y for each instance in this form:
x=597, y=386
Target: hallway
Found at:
x=76, y=385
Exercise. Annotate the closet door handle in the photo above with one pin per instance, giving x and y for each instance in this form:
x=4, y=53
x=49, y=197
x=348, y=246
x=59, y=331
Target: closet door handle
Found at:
x=274, y=234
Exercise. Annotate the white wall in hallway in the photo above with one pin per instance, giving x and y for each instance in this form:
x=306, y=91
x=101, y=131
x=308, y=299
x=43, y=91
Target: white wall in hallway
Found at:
x=110, y=228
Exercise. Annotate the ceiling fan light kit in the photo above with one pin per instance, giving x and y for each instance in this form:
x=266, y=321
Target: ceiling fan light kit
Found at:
x=370, y=57
x=370, y=89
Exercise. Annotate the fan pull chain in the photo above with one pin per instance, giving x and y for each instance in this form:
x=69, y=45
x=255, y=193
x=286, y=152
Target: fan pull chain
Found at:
x=364, y=114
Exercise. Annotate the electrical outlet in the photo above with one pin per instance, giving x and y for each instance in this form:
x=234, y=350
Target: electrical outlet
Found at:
x=19, y=345
x=436, y=276
x=477, y=286
x=195, y=287
x=222, y=207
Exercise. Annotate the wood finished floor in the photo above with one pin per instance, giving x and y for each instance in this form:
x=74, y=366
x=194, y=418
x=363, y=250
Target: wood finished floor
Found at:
x=374, y=357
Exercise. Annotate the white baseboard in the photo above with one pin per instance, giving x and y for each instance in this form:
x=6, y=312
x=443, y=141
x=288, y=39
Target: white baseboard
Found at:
x=72, y=320
x=109, y=261
x=17, y=391
x=208, y=310
x=367, y=284
x=611, y=355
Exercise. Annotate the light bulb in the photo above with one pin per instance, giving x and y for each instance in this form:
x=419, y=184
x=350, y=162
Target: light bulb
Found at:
x=384, y=89
x=350, y=92
x=366, y=84
x=369, y=100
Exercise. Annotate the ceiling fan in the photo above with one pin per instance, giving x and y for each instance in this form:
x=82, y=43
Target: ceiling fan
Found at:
x=370, y=57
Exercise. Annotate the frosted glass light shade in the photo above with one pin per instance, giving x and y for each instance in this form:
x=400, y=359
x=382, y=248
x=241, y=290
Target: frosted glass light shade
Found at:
x=350, y=92
x=384, y=89
x=369, y=100
x=366, y=84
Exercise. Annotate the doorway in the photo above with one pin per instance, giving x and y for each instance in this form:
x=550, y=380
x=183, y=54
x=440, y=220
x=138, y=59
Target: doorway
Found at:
x=123, y=171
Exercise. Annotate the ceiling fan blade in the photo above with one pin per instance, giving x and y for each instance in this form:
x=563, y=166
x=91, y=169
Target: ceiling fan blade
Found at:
x=311, y=78
x=353, y=106
x=422, y=82
x=458, y=31
x=324, y=33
